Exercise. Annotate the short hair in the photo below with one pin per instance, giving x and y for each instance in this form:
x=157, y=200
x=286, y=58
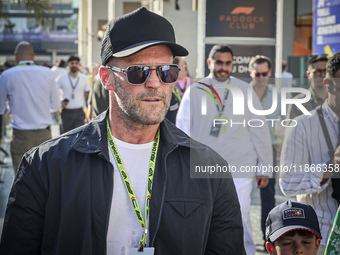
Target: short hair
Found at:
x=24, y=48
x=316, y=58
x=284, y=65
x=61, y=63
x=333, y=65
x=220, y=48
x=259, y=59
x=73, y=58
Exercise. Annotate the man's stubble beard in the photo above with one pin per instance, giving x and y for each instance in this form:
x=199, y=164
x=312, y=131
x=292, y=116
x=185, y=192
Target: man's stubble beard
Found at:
x=131, y=112
x=74, y=70
x=221, y=79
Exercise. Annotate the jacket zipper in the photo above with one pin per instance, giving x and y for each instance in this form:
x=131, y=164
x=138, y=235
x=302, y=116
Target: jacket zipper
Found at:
x=163, y=196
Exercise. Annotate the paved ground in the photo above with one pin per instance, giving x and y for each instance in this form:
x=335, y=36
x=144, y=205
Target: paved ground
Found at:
x=7, y=177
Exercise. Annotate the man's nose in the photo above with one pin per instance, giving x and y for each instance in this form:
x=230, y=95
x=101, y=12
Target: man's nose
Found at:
x=153, y=81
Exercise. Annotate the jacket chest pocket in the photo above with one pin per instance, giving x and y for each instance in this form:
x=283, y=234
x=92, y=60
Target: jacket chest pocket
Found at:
x=185, y=206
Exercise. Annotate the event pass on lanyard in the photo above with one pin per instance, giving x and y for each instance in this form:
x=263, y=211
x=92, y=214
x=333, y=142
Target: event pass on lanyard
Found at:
x=131, y=193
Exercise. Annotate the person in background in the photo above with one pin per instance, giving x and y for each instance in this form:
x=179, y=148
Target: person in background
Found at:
x=32, y=95
x=286, y=78
x=309, y=150
x=4, y=154
x=238, y=143
x=260, y=71
x=184, y=81
x=121, y=184
x=92, y=75
x=316, y=73
x=59, y=68
x=75, y=88
x=5, y=66
x=98, y=99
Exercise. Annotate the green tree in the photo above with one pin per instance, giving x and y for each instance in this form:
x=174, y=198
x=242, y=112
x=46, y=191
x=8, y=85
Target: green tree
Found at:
x=39, y=8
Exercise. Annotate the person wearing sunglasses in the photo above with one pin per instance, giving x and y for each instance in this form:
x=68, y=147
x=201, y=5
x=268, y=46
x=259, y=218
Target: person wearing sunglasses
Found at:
x=121, y=184
x=316, y=73
x=260, y=72
x=243, y=146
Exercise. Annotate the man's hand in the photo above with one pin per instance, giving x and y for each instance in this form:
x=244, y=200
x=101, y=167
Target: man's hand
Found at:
x=262, y=181
x=64, y=103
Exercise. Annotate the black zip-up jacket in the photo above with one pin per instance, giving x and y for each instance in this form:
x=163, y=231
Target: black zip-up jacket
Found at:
x=61, y=198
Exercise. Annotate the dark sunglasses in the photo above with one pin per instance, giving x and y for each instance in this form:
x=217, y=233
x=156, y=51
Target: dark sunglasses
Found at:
x=264, y=74
x=138, y=74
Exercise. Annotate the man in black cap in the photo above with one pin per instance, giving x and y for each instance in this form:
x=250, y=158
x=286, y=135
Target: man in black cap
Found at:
x=121, y=184
x=292, y=228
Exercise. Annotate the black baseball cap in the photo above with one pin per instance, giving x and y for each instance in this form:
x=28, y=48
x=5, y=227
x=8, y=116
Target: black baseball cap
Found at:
x=138, y=30
x=290, y=216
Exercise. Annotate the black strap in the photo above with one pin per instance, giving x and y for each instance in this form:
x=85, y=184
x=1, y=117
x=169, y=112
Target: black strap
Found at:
x=325, y=131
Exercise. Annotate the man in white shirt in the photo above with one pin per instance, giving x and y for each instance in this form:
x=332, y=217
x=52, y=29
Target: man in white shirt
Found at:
x=308, y=157
x=32, y=95
x=260, y=71
x=244, y=147
x=75, y=88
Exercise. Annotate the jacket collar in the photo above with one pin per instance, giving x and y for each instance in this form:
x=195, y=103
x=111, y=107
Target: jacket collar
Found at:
x=93, y=138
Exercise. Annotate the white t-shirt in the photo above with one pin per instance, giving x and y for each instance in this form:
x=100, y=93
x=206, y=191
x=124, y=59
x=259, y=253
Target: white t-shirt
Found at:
x=81, y=84
x=32, y=95
x=124, y=229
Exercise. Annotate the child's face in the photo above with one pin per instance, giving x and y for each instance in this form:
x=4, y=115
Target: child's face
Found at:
x=295, y=244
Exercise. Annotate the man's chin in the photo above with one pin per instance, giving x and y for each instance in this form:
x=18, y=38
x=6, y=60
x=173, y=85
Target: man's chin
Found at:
x=221, y=79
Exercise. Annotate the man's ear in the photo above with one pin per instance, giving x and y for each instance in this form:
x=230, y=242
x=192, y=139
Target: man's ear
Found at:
x=307, y=74
x=270, y=248
x=208, y=62
x=317, y=245
x=269, y=72
x=16, y=57
x=106, y=78
x=251, y=73
x=326, y=83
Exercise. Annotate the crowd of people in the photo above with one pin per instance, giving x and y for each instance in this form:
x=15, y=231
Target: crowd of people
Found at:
x=122, y=176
